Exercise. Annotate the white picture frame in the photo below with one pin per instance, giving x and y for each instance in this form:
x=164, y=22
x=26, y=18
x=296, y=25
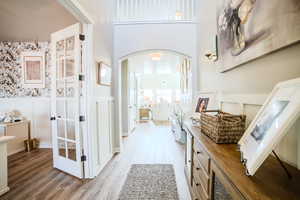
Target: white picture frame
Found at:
x=33, y=69
x=104, y=73
x=271, y=124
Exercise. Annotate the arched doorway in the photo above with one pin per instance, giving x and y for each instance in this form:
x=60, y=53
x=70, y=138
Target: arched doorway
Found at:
x=153, y=80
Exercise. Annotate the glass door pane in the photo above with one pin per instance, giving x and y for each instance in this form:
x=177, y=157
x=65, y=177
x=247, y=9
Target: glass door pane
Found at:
x=67, y=147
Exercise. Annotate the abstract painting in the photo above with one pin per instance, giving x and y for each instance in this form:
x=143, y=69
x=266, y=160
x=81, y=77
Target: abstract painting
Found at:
x=248, y=29
x=268, y=118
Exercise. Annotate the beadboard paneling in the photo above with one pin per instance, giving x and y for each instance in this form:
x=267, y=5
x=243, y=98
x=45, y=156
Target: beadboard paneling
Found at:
x=36, y=109
x=103, y=133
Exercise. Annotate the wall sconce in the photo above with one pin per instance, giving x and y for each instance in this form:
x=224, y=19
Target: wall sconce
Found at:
x=213, y=56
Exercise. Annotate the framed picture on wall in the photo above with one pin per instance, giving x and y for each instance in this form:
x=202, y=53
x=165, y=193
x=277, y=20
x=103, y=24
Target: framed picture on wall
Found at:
x=104, y=74
x=271, y=124
x=33, y=69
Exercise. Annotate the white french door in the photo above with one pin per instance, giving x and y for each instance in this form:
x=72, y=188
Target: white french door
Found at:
x=66, y=98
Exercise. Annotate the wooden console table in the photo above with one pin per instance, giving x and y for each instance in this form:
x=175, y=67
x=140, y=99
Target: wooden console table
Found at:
x=21, y=131
x=214, y=171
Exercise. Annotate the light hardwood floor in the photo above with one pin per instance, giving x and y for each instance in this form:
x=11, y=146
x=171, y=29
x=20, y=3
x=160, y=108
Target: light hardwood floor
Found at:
x=31, y=175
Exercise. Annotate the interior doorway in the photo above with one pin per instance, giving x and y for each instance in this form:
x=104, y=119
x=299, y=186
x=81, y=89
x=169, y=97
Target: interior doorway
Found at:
x=154, y=83
x=67, y=96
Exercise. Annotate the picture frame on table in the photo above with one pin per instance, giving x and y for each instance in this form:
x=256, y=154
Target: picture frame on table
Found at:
x=33, y=69
x=104, y=74
x=271, y=124
x=202, y=105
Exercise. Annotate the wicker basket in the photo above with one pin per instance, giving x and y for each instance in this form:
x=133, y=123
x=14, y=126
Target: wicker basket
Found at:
x=223, y=127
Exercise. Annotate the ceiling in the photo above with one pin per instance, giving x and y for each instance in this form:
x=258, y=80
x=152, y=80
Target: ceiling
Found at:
x=28, y=20
x=143, y=63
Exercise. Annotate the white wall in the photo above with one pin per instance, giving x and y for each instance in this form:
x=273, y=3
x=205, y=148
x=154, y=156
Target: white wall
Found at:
x=256, y=77
x=101, y=11
x=98, y=95
x=35, y=109
x=133, y=38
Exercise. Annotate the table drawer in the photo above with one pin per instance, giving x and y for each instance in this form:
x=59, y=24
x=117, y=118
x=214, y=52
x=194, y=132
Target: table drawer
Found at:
x=198, y=191
x=202, y=156
x=201, y=176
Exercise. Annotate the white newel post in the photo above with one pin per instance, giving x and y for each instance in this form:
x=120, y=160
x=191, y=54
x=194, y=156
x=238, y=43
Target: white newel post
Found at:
x=3, y=164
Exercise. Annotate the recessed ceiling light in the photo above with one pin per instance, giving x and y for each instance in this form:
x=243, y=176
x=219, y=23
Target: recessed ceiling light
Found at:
x=155, y=56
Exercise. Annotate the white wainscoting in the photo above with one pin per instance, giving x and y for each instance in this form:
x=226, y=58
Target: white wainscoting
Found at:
x=249, y=104
x=35, y=109
x=104, y=132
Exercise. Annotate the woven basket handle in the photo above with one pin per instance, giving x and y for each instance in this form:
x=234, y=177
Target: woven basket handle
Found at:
x=237, y=119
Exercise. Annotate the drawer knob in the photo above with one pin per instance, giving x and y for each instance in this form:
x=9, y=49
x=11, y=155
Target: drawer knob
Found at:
x=197, y=168
x=199, y=152
x=197, y=184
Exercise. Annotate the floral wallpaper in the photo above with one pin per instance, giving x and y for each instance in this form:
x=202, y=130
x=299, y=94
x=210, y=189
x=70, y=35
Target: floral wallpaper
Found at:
x=11, y=69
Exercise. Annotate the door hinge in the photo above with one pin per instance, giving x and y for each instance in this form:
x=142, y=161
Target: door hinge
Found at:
x=81, y=77
x=81, y=37
x=81, y=118
x=83, y=158
x=52, y=118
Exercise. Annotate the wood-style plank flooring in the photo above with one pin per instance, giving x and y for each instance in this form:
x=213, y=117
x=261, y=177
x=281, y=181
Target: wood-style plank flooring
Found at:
x=31, y=175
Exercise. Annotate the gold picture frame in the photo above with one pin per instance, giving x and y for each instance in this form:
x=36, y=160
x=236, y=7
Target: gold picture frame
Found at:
x=103, y=73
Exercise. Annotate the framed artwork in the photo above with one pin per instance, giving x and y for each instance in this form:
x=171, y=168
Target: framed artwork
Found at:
x=202, y=105
x=104, y=74
x=248, y=29
x=33, y=69
x=185, y=70
x=271, y=124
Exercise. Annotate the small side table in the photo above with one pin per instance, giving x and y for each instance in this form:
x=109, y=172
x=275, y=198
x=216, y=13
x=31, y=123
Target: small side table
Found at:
x=21, y=131
x=145, y=113
x=3, y=163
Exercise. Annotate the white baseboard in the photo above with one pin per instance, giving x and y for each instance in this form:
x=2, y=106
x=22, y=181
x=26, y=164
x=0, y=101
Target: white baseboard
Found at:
x=16, y=151
x=45, y=146
x=4, y=190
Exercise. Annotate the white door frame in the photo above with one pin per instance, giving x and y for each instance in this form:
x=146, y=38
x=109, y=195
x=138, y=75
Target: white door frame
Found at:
x=87, y=60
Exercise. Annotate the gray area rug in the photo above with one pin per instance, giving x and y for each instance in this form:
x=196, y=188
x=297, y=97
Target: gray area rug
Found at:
x=155, y=182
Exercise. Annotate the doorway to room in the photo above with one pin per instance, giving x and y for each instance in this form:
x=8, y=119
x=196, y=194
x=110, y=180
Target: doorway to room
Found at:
x=154, y=84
